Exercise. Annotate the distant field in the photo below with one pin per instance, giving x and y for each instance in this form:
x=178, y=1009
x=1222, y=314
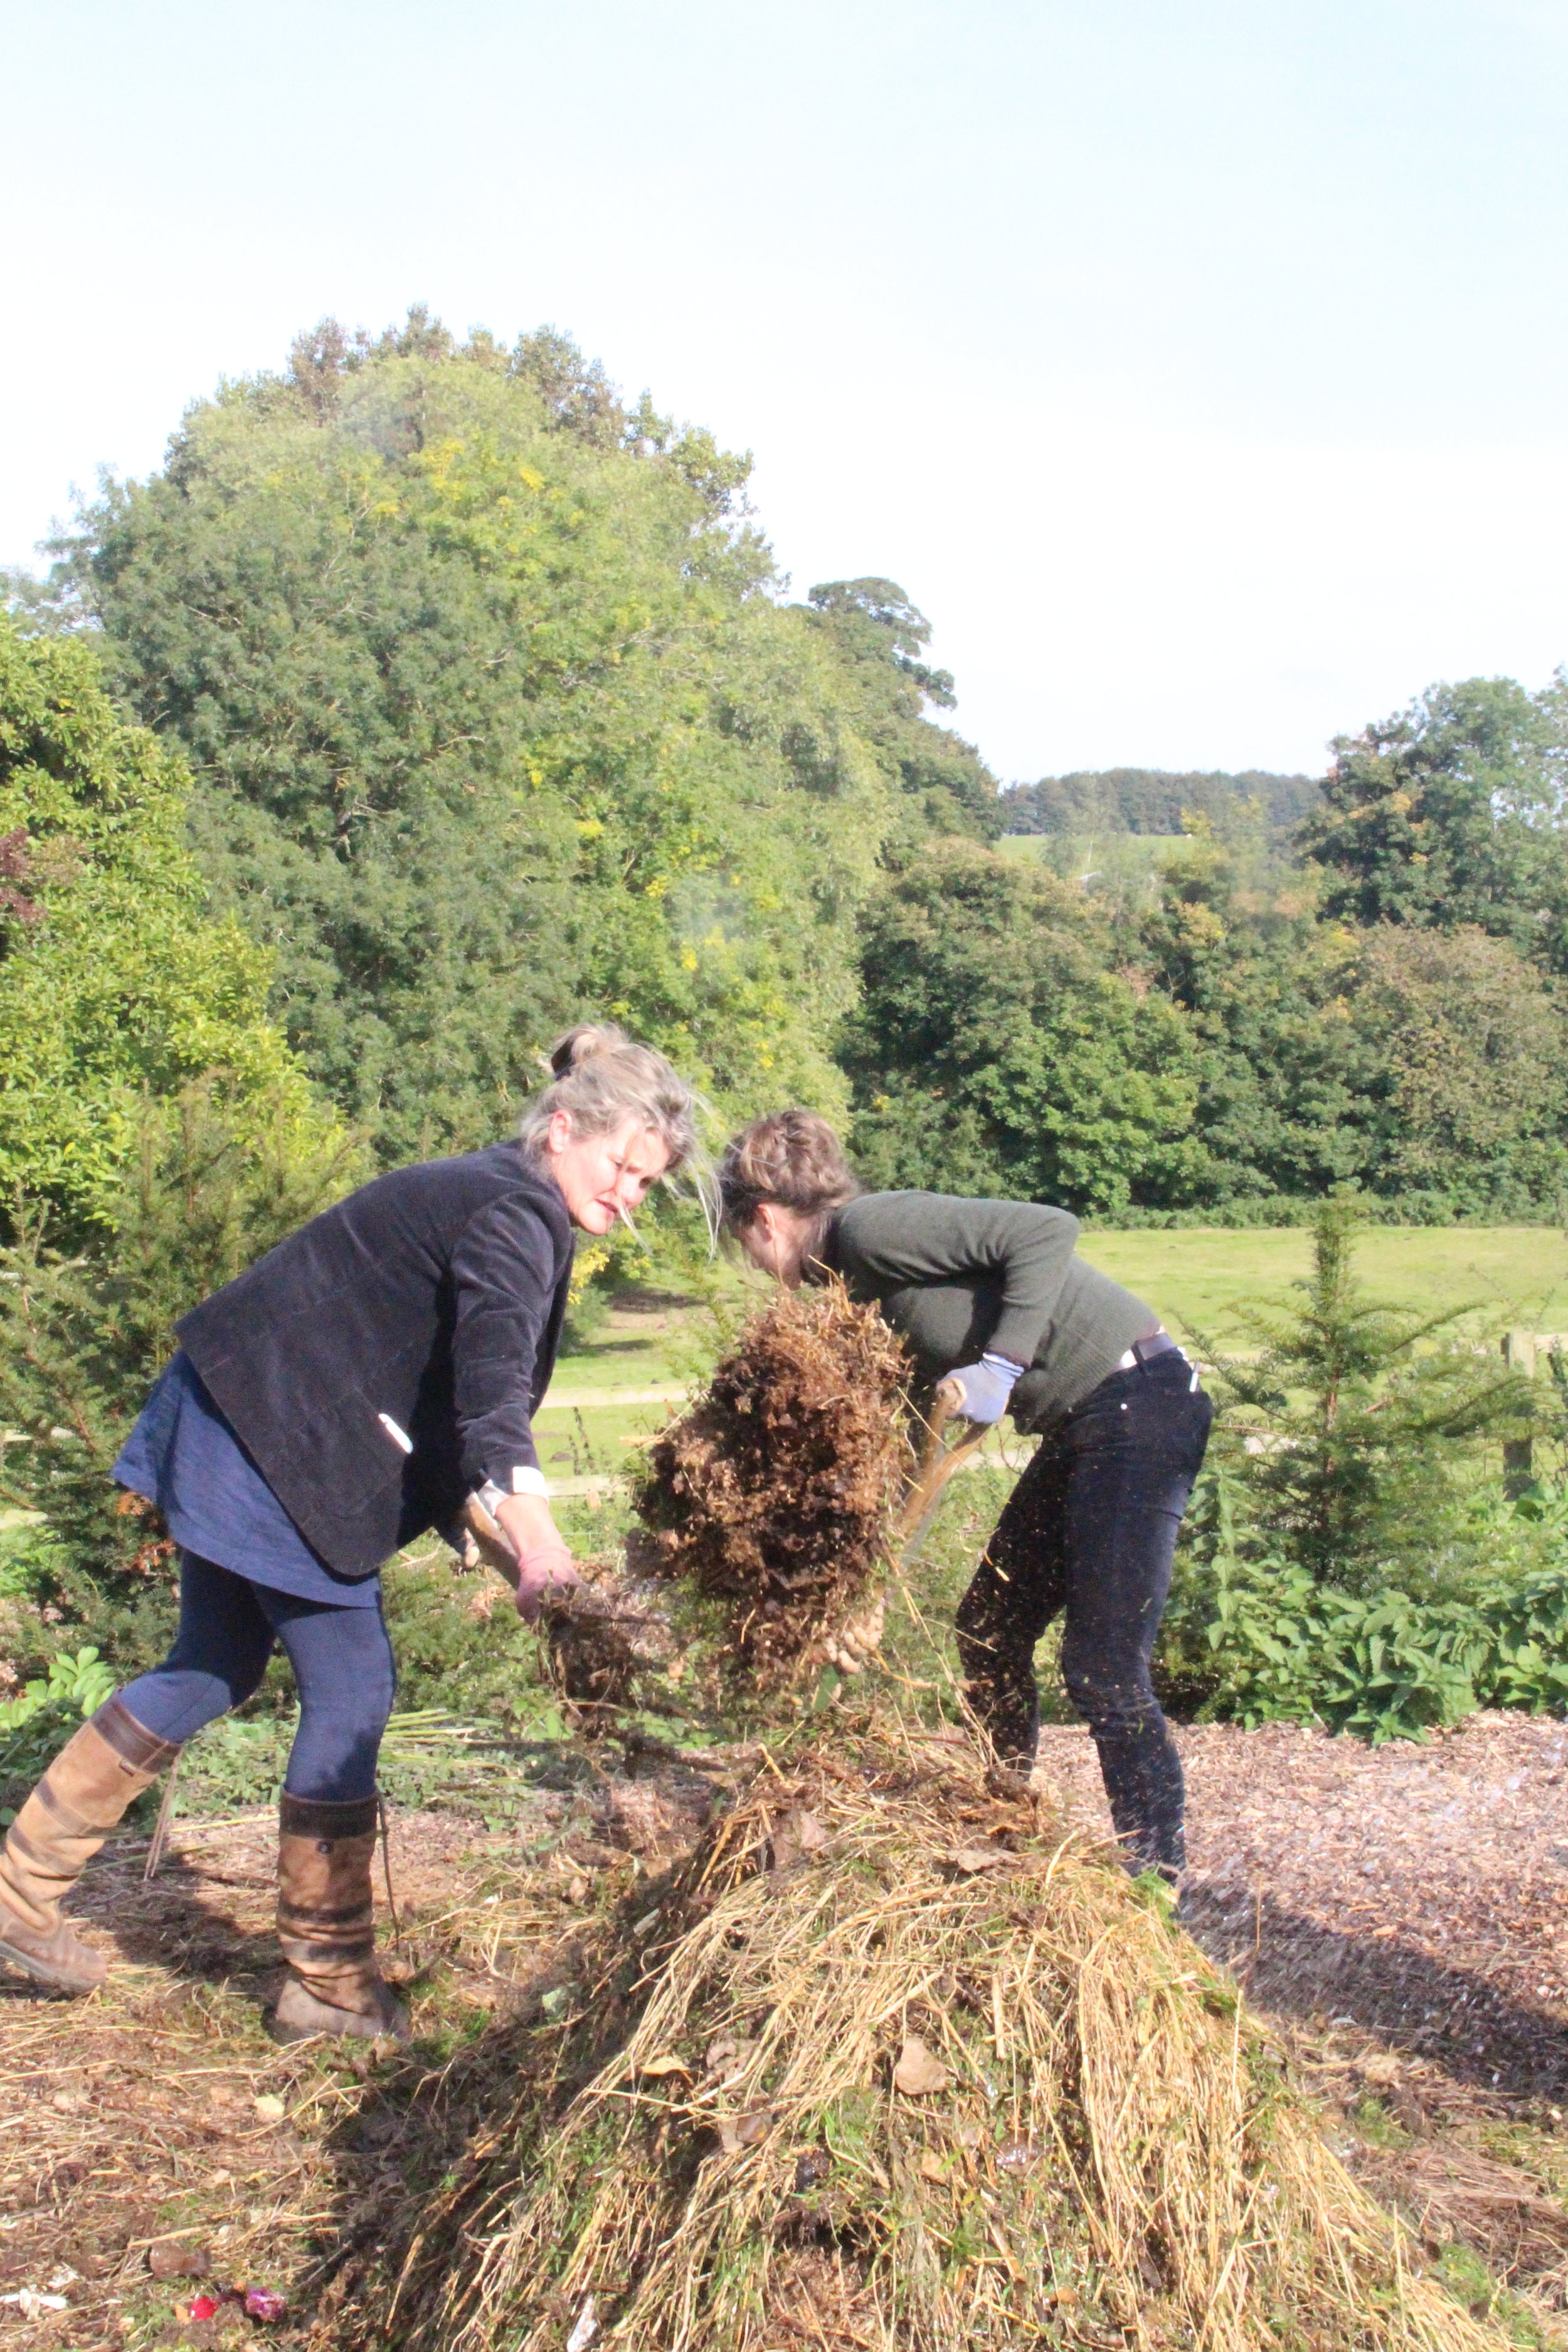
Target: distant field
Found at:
x=1135, y=845
x=1517, y=1274
x=1099, y=853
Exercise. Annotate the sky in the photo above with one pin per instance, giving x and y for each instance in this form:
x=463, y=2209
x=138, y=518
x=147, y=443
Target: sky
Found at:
x=1200, y=367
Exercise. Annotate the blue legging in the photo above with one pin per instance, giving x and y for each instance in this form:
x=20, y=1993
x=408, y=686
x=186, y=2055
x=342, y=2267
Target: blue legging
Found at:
x=343, y=1667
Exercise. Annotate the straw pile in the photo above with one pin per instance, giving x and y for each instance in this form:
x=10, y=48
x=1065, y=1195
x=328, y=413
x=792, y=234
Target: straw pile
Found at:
x=771, y=1497
x=884, y=2066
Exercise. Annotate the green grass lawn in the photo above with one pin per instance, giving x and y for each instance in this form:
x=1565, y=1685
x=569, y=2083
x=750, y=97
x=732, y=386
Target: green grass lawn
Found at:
x=1517, y=1276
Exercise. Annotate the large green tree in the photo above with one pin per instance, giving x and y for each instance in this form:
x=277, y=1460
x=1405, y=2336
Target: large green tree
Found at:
x=115, y=987
x=1238, y=941
x=496, y=718
x=1453, y=812
x=1422, y=1065
x=995, y=1050
x=881, y=637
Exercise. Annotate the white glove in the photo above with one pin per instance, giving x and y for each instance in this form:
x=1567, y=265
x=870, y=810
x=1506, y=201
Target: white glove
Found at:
x=986, y=1386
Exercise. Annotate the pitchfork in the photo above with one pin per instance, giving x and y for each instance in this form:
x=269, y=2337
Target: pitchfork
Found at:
x=935, y=1465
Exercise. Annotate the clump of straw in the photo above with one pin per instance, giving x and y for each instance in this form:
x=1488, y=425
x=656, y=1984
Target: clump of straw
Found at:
x=771, y=1496
x=608, y=1644
x=891, y=2063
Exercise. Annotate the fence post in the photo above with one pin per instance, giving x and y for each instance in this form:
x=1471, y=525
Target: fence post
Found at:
x=1518, y=1467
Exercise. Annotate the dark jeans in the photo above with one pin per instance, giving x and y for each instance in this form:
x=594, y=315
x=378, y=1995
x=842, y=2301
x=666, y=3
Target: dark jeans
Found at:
x=1090, y=1531
x=342, y=1666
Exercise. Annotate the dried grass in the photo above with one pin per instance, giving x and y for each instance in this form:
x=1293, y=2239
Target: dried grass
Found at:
x=772, y=1496
x=891, y=2064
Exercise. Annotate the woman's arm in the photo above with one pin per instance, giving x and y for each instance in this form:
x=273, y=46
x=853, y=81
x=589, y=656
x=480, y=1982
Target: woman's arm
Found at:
x=900, y=1240
x=504, y=1276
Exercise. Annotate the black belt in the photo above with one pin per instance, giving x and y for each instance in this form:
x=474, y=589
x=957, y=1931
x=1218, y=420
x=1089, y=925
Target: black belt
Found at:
x=1143, y=1351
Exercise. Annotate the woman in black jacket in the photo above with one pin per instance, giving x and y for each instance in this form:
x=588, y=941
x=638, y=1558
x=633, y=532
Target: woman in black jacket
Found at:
x=992, y=1294
x=349, y=1391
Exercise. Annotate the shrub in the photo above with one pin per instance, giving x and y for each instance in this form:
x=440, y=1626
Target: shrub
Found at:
x=1354, y=1438
x=1254, y=1638
x=84, y=1332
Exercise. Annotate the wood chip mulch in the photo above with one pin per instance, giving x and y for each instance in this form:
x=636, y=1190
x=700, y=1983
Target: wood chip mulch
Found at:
x=1418, y=1892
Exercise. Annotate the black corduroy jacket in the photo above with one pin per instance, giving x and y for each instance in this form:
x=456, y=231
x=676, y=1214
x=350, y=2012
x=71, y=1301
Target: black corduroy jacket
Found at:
x=431, y=1298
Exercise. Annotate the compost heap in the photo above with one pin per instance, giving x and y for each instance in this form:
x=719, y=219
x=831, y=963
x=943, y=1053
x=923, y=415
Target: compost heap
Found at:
x=888, y=2063
x=771, y=1498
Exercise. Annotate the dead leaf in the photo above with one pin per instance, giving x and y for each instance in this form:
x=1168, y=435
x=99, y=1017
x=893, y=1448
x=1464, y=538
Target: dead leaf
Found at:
x=798, y=1834
x=973, y=1858
x=917, y=2070
x=932, y=2166
x=783, y=1848
x=744, y=2131
x=270, y=2108
x=170, y=2259
x=729, y=2059
x=666, y=2063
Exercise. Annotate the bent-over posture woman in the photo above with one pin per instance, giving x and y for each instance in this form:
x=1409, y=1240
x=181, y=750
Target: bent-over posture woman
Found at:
x=349, y=1391
x=994, y=1293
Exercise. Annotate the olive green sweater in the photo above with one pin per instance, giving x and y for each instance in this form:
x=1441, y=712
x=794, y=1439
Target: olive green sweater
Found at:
x=959, y=1277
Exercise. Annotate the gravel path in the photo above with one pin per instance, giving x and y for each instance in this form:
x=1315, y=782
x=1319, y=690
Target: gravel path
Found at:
x=1418, y=1893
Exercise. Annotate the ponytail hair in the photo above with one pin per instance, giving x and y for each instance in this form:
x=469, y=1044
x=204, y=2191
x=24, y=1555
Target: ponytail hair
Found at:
x=602, y=1082
x=793, y=1157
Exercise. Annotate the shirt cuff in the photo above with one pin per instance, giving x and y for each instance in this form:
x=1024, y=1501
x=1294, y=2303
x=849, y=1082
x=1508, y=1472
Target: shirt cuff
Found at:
x=524, y=1480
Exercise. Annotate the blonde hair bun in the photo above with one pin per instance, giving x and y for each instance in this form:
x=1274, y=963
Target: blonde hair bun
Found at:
x=580, y=1045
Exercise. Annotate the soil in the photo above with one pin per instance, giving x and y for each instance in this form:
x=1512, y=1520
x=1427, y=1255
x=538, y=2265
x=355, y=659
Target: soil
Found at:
x=1401, y=1915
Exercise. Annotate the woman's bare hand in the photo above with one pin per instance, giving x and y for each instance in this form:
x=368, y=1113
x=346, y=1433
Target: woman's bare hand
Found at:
x=543, y=1558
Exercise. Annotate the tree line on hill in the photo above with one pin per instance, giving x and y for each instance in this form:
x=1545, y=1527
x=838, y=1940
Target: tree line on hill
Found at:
x=432, y=695
x=1155, y=800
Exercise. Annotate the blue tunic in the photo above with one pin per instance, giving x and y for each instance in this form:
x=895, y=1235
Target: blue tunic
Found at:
x=183, y=1456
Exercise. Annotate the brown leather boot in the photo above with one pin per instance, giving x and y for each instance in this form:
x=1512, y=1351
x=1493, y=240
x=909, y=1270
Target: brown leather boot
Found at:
x=326, y=1922
x=59, y=1829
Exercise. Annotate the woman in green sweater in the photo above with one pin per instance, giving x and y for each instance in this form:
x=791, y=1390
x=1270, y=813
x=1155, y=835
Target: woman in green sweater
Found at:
x=993, y=1295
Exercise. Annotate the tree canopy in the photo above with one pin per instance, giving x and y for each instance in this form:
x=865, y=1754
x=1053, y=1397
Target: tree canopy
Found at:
x=1154, y=800
x=481, y=706
x=114, y=984
x=497, y=718
x=1453, y=812
x=994, y=1050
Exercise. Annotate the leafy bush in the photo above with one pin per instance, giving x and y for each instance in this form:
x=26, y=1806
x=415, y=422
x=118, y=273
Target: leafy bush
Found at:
x=33, y=1724
x=84, y=1332
x=1345, y=1559
x=1257, y=1638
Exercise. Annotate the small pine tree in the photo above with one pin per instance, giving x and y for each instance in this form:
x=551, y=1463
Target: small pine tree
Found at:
x=1349, y=1441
